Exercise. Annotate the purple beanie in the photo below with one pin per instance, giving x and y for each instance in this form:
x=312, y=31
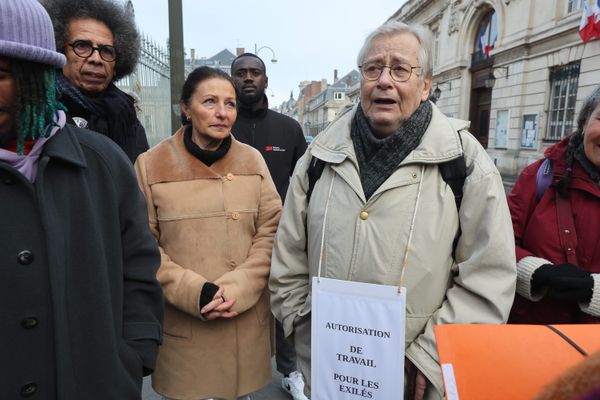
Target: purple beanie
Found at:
x=26, y=33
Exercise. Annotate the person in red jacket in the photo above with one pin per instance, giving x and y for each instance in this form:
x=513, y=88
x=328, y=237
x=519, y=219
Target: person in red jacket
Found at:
x=557, y=235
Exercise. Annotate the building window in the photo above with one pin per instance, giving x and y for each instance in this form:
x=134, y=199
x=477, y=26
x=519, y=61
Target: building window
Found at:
x=529, y=130
x=563, y=95
x=436, y=48
x=574, y=5
x=502, y=120
x=338, y=95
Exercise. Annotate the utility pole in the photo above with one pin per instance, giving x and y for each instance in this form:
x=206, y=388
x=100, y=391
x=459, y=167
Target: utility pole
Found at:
x=176, y=59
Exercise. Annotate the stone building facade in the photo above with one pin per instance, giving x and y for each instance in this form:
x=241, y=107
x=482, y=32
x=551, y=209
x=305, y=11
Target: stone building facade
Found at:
x=517, y=69
x=322, y=108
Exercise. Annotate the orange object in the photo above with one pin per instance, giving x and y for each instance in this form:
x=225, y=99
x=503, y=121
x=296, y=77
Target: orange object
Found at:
x=508, y=361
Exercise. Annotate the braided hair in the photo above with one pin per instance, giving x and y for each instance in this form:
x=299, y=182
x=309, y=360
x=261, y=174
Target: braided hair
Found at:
x=37, y=99
x=589, y=105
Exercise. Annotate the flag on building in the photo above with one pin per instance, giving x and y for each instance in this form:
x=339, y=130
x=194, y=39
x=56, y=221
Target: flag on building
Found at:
x=596, y=11
x=587, y=29
x=484, y=41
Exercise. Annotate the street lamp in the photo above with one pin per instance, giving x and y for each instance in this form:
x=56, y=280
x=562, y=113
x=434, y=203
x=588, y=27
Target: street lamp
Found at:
x=495, y=73
x=256, y=50
x=437, y=93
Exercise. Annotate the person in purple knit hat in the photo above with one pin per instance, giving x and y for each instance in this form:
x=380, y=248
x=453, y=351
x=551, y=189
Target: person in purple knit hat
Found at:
x=80, y=307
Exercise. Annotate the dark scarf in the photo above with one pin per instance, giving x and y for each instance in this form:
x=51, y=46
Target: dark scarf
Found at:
x=379, y=158
x=206, y=156
x=587, y=164
x=111, y=113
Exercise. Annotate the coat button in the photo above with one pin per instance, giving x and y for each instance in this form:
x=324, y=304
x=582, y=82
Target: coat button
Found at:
x=29, y=322
x=28, y=389
x=235, y=215
x=7, y=180
x=25, y=257
x=414, y=175
x=230, y=176
x=364, y=215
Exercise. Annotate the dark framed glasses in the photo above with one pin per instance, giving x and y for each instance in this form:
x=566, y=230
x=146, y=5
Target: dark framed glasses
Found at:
x=84, y=49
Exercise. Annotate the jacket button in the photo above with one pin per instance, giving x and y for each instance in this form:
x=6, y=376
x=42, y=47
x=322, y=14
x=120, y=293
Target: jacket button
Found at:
x=414, y=175
x=230, y=176
x=25, y=257
x=29, y=322
x=7, y=180
x=364, y=215
x=28, y=389
x=235, y=215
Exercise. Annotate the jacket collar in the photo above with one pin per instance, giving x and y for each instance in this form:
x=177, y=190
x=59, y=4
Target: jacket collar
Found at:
x=170, y=161
x=248, y=112
x=65, y=146
x=441, y=141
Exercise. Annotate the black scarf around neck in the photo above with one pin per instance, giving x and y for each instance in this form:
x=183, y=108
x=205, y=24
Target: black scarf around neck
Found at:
x=111, y=113
x=379, y=158
x=206, y=156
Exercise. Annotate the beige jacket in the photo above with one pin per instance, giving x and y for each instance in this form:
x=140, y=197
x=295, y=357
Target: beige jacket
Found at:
x=212, y=224
x=477, y=287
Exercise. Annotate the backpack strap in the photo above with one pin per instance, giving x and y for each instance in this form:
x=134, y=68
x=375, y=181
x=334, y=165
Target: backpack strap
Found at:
x=566, y=228
x=454, y=173
x=543, y=179
x=564, y=212
x=314, y=172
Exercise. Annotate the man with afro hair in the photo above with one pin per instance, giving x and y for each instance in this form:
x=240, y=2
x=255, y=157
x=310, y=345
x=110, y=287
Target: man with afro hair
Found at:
x=101, y=43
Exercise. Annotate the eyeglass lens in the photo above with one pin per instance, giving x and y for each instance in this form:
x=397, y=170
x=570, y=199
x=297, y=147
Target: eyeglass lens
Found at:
x=85, y=49
x=398, y=72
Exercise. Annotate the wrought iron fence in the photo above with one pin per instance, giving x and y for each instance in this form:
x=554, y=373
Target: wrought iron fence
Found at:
x=151, y=84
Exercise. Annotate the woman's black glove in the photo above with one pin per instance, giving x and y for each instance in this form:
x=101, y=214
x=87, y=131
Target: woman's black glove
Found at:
x=207, y=293
x=565, y=282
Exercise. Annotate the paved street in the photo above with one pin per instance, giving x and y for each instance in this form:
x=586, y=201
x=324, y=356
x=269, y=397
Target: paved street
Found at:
x=271, y=392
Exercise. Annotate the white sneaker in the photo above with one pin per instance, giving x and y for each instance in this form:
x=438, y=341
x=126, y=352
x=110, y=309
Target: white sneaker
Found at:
x=294, y=385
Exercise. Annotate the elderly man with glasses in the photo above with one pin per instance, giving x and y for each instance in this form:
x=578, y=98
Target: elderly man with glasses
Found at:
x=102, y=45
x=383, y=212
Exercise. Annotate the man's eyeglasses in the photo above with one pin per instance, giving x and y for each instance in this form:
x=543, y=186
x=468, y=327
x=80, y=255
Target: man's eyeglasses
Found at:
x=84, y=49
x=371, y=71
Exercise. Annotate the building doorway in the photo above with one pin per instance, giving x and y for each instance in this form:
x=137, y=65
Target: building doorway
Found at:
x=481, y=104
x=481, y=84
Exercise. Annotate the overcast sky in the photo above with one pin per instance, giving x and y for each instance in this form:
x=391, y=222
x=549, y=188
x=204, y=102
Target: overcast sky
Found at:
x=310, y=38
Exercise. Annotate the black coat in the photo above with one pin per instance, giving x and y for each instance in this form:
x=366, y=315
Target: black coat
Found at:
x=81, y=309
x=278, y=137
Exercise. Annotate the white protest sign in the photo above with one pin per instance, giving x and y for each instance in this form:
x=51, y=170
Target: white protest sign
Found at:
x=357, y=340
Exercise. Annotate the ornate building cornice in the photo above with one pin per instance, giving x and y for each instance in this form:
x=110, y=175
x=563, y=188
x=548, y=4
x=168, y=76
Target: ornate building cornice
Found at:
x=449, y=75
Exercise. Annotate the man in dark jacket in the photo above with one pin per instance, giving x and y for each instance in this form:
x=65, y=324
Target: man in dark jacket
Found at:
x=81, y=309
x=278, y=137
x=102, y=45
x=281, y=142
